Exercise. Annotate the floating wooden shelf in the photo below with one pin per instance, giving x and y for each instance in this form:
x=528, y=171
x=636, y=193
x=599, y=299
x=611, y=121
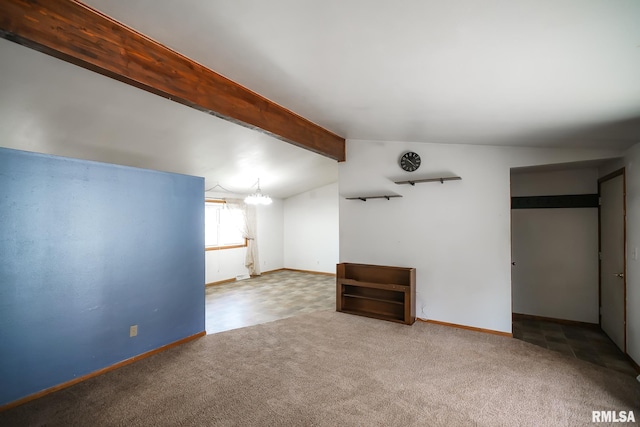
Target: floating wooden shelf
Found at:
x=364, y=198
x=377, y=291
x=440, y=180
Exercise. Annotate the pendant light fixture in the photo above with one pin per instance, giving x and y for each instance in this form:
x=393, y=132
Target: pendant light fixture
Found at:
x=258, y=198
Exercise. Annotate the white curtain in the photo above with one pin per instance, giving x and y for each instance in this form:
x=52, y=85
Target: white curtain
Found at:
x=249, y=229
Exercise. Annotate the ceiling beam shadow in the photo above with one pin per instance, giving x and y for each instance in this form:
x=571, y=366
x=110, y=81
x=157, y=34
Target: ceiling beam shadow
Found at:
x=76, y=33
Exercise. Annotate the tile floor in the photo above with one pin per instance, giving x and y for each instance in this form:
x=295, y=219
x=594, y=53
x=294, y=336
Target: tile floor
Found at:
x=269, y=297
x=583, y=342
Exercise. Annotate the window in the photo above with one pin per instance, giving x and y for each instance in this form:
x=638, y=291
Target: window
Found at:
x=222, y=226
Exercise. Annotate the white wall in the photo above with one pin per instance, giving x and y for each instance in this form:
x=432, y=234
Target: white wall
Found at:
x=632, y=165
x=224, y=264
x=311, y=230
x=228, y=263
x=555, y=250
x=300, y=232
x=611, y=166
x=456, y=234
x=271, y=235
x=554, y=183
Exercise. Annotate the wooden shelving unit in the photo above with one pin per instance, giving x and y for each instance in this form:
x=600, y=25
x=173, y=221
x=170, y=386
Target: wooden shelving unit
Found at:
x=440, y=180
x=377, y=291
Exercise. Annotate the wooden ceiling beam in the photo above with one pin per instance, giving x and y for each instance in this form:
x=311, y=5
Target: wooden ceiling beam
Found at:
x=77, y=33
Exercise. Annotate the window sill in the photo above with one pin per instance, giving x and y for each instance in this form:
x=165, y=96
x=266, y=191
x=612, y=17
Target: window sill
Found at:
x=218, y=248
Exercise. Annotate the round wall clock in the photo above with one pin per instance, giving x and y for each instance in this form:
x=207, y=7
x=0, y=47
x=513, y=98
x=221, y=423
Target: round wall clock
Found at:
x=410, y=161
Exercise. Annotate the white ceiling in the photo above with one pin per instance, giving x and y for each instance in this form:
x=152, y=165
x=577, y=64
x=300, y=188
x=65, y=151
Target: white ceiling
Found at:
x=50, y=106
x=500, y=72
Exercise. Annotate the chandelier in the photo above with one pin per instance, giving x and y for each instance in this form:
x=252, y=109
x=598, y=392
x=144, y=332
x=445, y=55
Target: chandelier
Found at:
x=258, y=198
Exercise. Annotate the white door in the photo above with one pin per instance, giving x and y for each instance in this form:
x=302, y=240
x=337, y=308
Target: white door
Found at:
x=612, y=274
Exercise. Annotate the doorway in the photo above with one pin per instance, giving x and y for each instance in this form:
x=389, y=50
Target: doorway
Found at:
x=612, y=246
x=554, y=243
x=568, y=261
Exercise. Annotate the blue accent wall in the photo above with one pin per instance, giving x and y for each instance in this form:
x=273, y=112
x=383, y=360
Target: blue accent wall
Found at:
x=86, y=250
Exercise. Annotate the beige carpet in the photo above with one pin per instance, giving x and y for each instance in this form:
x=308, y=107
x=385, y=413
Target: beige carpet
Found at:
x=334, y=369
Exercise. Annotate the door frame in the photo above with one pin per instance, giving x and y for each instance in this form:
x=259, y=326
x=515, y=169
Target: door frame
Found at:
x=614, y=174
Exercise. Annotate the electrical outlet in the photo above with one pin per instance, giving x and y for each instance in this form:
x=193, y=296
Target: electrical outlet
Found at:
x=133, y=330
